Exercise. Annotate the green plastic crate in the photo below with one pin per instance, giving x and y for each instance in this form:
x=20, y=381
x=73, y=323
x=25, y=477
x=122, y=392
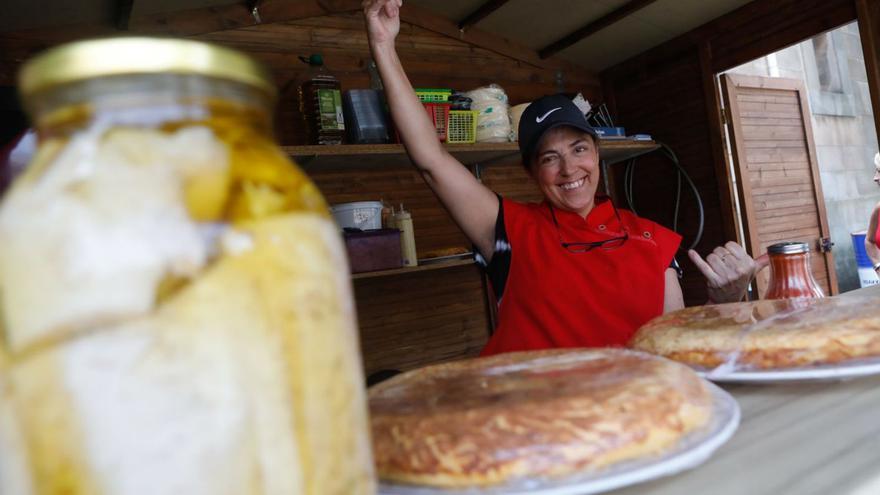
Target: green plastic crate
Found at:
x=433, y=95
x=462, y=126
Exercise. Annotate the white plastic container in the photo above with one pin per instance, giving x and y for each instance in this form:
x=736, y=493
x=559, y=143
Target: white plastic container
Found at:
x=364, y=215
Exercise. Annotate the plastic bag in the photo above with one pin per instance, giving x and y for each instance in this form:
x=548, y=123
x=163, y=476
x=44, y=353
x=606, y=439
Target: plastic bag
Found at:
x=493, y=121
x=769, y=334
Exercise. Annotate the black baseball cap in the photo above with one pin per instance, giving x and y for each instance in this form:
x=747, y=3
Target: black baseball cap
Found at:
x=544, y=114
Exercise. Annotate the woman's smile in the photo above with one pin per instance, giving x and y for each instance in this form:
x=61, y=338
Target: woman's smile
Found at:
x=570, y=186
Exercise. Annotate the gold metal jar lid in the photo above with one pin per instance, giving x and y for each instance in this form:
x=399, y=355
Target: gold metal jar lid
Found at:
x=89, y=59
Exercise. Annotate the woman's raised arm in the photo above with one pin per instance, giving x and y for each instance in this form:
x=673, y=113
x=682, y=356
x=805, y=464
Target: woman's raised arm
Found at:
x=472, y=206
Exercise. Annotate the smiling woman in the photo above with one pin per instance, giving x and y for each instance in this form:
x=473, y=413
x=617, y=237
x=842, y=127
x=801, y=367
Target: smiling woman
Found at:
x=571, y=271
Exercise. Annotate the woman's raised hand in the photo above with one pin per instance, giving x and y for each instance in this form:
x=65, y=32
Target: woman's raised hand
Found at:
x=383, y=19
x=728, y=270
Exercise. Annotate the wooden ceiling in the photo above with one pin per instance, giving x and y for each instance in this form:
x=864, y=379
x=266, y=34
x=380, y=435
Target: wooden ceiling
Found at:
x=594, y=34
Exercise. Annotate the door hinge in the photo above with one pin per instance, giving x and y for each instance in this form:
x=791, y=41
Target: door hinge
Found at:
x=723, y=116
x=825, y=244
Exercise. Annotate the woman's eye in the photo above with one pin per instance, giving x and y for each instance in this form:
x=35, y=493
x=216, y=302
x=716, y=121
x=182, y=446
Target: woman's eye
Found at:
x=548, y=160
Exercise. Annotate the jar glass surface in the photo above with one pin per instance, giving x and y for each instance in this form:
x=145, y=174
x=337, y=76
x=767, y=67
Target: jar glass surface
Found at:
x=790, y=273
x=177, y=311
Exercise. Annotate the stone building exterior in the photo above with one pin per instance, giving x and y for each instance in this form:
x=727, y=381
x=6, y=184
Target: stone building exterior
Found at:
x=833, y=70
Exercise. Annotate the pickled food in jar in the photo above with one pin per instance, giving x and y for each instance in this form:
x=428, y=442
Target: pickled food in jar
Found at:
x=170, y=330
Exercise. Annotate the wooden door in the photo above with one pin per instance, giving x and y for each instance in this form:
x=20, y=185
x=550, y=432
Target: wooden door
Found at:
x=776, y=170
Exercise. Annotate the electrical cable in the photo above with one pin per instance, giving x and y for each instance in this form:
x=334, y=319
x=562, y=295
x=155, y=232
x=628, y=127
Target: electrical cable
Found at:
x=629, y=178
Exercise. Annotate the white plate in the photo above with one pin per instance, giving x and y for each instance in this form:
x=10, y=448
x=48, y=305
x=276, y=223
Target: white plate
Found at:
x=691, y=451
x=824, y=373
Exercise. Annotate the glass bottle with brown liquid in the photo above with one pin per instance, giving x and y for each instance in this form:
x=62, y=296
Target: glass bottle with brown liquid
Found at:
x=790, y=274
x=320, y=103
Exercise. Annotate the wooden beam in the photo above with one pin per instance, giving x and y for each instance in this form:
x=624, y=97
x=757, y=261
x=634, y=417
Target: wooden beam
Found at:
x=598, y=24
x=752, y=31
x=774, y=26
x=197, y=21
x=225, y=17
x=426, y=19
x=869, y=29
x=481, y=13
x=207, y=20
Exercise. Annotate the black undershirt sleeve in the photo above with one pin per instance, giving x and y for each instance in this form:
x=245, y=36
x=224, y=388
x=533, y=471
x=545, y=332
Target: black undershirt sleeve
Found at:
x=498, y=269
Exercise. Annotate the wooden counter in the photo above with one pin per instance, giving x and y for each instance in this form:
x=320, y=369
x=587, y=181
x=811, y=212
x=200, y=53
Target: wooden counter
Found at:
x=799, y=439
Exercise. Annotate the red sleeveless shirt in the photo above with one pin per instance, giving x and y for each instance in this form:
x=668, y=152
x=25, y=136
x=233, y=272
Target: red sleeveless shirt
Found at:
x=557, y=298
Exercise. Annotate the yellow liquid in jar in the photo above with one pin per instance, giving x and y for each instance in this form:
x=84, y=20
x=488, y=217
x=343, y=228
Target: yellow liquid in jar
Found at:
x=244, y=377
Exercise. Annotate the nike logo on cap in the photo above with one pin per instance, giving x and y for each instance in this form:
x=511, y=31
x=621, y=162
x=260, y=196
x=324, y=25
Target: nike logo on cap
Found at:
x=542, y=117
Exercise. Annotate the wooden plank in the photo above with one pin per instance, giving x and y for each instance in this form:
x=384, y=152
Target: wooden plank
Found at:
x=770, y=121
x=420, y=318
x=794, y=223
x=724, y=180
x=761, y=114
x=790, y=235
x=799, y=189
x=196, y=21
x=775, y=109
x=778, y=156
x=409, y=270
x=812, y=438
x=817, y=184
x=776, y=133
x=869, y=30
x=761, y=144
x=738, y=151
x=357, y=156
x=594, y=26
x=481, y=13
x=759, y=28
x=762, y=96
x=781, y=185
x=428, y=20
x=772, y=204
x=784, y=212
x=768, y=171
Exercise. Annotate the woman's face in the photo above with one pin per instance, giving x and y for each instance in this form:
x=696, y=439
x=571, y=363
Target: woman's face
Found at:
x=566, y=169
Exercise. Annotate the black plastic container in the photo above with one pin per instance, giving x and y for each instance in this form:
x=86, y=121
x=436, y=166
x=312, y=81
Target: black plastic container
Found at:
x=365, y=119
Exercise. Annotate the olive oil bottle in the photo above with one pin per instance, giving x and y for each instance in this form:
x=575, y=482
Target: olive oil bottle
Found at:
x=320, y=103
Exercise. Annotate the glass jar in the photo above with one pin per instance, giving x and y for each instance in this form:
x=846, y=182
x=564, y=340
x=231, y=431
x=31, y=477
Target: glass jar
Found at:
x=790, y=274
x=177, y=307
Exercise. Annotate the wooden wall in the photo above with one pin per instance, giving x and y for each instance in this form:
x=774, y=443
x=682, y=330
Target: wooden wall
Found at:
x=671, y=93
x=430, y=59
x=412, y=319
x=406, y=320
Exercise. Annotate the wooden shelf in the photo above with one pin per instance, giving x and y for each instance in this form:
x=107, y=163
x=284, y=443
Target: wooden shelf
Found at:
x=411, y=269
x=356, y=156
